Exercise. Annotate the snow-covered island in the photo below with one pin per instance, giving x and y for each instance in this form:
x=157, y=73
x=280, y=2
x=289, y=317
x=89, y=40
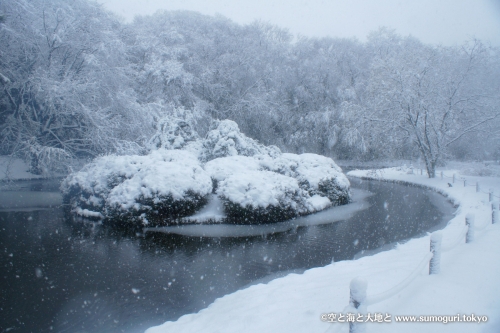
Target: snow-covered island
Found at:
x=182, y=173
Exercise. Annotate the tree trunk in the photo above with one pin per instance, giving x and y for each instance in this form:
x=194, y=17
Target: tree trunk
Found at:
x=35, y=167
x=431, y=168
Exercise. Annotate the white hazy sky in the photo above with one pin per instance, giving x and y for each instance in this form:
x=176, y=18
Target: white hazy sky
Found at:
x=445, y=22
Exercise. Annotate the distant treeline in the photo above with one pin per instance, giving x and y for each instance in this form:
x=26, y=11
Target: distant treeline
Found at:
x=75, y=81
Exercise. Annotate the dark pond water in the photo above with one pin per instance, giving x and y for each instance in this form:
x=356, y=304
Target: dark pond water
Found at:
x=61, y=276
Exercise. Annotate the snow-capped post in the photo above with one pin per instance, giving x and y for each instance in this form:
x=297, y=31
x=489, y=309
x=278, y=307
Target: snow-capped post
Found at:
x=357, y=297
x=441, y=174
x=453, y=178
x=465, y=182
x=490, y=195
x=469, y=221
x=494, y=212
x=477, y=187
x=435, y=262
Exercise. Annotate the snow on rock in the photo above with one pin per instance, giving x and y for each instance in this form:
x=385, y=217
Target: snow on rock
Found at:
x=227, y=140
x=87, y=213
x=165, y=183
x=213, y=212
x=317, y=203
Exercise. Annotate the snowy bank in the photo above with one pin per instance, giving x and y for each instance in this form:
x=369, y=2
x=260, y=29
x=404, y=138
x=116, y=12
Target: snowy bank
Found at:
x=466, y=285
x=15, y=169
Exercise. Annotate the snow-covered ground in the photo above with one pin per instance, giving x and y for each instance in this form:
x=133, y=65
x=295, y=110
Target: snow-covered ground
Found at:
x=467, y=284
x=14, y=169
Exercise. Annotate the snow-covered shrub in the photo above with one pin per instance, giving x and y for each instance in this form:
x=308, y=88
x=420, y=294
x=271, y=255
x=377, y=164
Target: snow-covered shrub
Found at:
x=172, y=133
x=318, y=175
x=261, y=197
x=163, y=184
x=221, y=168
x=43, y=160
x=257, y=184
x=266, y=189
x=227, y=140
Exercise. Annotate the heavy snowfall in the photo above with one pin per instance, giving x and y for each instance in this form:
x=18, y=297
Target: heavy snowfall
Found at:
x=186, y=173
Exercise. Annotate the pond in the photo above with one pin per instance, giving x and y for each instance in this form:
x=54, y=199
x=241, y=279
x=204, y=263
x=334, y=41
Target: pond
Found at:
x=62, y=276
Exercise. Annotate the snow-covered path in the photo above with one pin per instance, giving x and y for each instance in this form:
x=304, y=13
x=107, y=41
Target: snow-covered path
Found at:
x=468, y=282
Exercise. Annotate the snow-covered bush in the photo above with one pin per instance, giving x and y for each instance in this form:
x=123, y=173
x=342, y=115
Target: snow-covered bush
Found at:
x=163, y=184
x=319, y=175
x=221, y=168
x=43, y=160
x=172, y=133
x=257, y=184
x=265, y=189
x=261, y=197
x=227, y=140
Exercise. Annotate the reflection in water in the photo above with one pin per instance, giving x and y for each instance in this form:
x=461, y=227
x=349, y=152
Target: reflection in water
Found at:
x=66, y=277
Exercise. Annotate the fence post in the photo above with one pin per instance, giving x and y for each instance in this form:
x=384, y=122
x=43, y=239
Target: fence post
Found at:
x=441, y=174
x=453, y=178
x=469, y=221
x=494, y=212
x=357, y=297
x=465, y=182
x=435, y=263
x=477, y=187
x=491, y=195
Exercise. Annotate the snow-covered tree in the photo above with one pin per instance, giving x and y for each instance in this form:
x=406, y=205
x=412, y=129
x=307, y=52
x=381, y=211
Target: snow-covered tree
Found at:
x=432, y=96
x=225, y=139
x=77, y=82
x=67, y=89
